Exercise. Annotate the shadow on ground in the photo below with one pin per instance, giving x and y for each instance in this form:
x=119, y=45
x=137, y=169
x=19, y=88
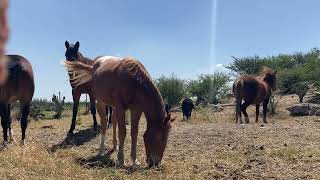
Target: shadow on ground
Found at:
x=96, y=161
x=76, y=139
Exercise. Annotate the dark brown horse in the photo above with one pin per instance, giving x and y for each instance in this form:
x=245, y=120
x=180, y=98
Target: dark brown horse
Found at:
x=124, y=83
x=19, y=86
x=254, y=90
x=73, y=54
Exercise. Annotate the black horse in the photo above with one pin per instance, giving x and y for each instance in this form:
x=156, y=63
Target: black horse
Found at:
x=187, y=106
x=73, y=54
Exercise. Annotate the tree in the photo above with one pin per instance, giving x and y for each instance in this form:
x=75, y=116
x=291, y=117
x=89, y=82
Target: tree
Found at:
x=246, y=65
x=210, y=87
x=171, y=88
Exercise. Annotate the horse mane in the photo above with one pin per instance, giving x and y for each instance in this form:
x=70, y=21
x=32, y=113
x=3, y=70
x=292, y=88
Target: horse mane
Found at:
x=265, y=71
x=140, y=74
x=85, y=60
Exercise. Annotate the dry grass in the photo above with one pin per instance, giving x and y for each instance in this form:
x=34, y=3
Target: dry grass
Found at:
x=210, y=146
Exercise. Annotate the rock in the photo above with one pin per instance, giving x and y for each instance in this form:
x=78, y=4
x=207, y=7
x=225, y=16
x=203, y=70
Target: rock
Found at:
x=302, y=109
x=312, y=96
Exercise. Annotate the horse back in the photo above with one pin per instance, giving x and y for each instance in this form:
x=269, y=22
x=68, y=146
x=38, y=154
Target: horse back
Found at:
x=250, y=89
x=20, y=84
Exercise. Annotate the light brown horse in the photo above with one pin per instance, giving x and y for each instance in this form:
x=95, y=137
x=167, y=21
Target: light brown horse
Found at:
x=19, y=86
x=254, y=90
x=124, y=83
x=4, y=32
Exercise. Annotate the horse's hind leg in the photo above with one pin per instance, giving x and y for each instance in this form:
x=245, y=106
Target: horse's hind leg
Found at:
x=120, y=115
x=110, y=115
x=4, y=122
x=102, y=113
x=25, y=109
x=244, y=111
x=135, y=117
x=238, y=111
x=257, y=112
x=93, y=112
x=114, y=130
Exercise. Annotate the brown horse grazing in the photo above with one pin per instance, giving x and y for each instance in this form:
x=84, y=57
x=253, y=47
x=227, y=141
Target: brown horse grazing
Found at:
x=124, y=83
x=19, y=86
x=4, y=32
x=73, y=54
x=254, y=90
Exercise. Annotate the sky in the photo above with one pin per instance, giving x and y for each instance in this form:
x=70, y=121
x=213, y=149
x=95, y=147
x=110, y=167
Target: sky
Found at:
x=186, y=38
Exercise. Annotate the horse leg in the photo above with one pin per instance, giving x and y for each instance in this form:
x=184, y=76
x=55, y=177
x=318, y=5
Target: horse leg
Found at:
x=244, y=111
x=135, y=117
x=93, y=112
x=114, y=130
x=265, y=108
x=9, y=124
x=120, y=114
x=102, y=113
x=110, y=114
x=25, y=109
x=257, y=112
x=238, y=111
x=76, y=98
x=4, y=124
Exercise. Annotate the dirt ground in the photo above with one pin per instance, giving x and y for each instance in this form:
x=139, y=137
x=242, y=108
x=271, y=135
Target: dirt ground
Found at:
x=210, y=146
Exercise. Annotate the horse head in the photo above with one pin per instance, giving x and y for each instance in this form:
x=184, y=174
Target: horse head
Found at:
x=269, y=76
x=155, y=141
x=72, y=52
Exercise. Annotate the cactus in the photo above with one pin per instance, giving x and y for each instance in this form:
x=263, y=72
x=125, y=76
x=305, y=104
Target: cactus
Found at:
x=58, y=106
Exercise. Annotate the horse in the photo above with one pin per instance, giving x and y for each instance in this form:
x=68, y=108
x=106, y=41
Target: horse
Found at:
x=73, y=54
x=187, y=106
x=4, y=32
x=254, y=90
x=19, y=86
x=124, y=83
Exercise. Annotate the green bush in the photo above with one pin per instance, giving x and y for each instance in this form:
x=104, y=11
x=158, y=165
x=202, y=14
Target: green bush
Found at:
x=171, y=88
x=210, y=87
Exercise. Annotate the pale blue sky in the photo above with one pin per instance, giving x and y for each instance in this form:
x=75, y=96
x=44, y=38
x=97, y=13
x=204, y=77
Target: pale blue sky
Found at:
x=169, y=36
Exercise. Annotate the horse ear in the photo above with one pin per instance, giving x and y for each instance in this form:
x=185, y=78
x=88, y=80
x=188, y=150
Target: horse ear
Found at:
x=77, y=45
x=67, y=44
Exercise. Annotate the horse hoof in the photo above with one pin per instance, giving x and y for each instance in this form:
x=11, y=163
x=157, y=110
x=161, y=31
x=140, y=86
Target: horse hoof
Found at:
x=70, y=133
x=23, y=142
x=4, y=144
x=120, y=163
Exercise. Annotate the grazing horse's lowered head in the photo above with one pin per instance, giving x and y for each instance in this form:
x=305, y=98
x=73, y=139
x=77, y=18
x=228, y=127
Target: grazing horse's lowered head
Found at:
x=72, y=52
x=155, y=141
x=254, y=90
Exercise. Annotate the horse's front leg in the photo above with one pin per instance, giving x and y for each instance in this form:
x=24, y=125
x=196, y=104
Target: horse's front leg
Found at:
x=93, y=111
x=257, y=112
x=244, y=107
x=109, y=111
x=76, y=98
x=265, y=109
x=135, y=117
x=11, y=138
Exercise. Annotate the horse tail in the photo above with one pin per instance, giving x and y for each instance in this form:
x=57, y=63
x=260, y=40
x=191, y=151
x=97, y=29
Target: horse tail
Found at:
x=236, y=88
x=82, y=73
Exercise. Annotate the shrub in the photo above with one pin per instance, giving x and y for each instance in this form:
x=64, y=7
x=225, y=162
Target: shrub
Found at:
x=171, y=88
x=210, y=87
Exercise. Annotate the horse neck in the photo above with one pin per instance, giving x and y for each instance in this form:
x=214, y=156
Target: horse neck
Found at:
x=84, y=59
x=154, y=109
